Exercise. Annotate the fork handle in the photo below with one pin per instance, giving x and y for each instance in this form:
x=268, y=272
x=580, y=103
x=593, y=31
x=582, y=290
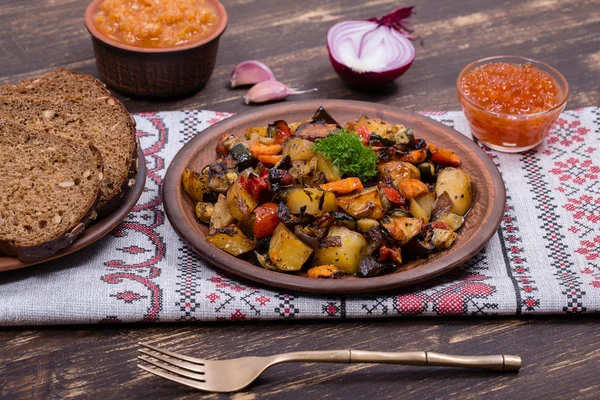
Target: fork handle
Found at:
x=418, y=358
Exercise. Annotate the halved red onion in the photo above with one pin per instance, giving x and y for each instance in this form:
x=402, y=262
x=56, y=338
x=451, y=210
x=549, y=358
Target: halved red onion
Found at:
x=368, y=53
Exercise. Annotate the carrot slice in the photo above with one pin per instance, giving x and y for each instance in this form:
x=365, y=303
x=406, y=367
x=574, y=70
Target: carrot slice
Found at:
x=445, y=157
x=411, y=188
x=343, y=186
x=270, y=159
x=258, y=149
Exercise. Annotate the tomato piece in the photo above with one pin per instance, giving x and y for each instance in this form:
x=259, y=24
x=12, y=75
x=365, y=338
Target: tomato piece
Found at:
x=266, y=220
x=393, y=195
x=282, y=131
x=390, y=254
x=364, y=134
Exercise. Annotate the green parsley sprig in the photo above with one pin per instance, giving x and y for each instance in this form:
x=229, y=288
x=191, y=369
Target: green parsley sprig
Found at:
x=345, y=150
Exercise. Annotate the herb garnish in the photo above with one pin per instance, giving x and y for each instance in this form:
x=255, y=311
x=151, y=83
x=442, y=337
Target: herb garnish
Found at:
x=345, y=150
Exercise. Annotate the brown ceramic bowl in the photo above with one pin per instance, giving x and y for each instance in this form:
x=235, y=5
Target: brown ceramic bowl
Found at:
x=481, y=222
x=155, y=72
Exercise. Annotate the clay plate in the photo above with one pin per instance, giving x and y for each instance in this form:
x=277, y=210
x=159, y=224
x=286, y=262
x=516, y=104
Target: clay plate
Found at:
x=97, y=230
x=481, y=222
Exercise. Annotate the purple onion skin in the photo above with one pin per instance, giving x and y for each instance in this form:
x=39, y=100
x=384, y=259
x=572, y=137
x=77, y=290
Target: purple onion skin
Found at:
x=366, y=79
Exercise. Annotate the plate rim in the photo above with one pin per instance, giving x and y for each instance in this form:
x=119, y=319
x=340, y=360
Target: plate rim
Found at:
x=245, y=270
x=99, y=229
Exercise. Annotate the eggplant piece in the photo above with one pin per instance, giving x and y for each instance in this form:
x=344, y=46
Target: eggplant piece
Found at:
x=285, y=163
x=324, y=272
x=381, y=140
x=242, y=155
x=419, y=246
x=315, y=130
x=428, y=173
x=322, y=116
x=261, y=261
x=210, y=197
x=311, y=241
x=343, y=219
x=287, y=217
x=370, y=267
x=365, y=204
x=384, y=154
x=441, y=206
x=280, y=178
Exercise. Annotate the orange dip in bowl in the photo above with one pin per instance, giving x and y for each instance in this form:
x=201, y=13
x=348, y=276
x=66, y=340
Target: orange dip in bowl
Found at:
x=511, y=102
x=156, y=23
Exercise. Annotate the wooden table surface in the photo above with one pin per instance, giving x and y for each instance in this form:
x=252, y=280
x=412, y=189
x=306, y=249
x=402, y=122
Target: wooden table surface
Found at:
x=561, y=355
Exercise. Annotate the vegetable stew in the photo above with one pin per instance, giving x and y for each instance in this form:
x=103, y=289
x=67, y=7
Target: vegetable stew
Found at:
x=320, y=200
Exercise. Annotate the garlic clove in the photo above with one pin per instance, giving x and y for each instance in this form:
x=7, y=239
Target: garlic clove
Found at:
x=250, y=72
x=266, y=91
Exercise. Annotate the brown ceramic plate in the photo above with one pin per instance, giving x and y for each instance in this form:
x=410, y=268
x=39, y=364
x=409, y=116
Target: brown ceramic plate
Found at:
x=97, y=230
x=481, y=222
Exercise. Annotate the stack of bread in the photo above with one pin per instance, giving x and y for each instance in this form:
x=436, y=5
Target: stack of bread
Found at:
x=68, y=154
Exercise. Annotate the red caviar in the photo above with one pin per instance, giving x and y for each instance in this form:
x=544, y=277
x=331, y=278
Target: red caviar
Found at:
x=511, y=106
x=510, y=88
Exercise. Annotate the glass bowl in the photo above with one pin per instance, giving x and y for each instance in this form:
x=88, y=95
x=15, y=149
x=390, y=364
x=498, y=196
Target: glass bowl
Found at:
x=512, y=133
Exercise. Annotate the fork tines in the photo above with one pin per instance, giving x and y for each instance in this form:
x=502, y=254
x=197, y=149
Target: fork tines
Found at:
x=176, y=367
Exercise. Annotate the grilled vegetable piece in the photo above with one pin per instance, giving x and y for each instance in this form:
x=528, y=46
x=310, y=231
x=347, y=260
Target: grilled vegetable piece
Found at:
x=365, y=204
x=414, y=156
x=459, y=186
x=324, y=272
x=194, y=184
x=397, y=171
x=343, y=186
x=266, y=220
x=279, y=130
x=311, y=201
x=445, y=157
x=347, y=256
x=221, y=215
x=270, y=159
x=204, y=211
x=370, y=267
x=410, y=188
x=315, y=130
x=251, y=133
x=442, y=238
x=231, y=240
x=441, y=206
x=454, y=221
x=219, y=177
x=263, y=261
x=398, y=133
x=286, y=251
x=322, y=116
x=427, y=171
x=259, y=149
x=343, y=219
x=240, y=153
x=402, y=229
x=420, y=207
x=298, y=149
x=240, y=202
x=364, y=224
x=332, y=173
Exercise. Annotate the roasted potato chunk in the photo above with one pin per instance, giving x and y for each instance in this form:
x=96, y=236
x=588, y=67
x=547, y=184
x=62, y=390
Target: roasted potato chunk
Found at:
x=315, y=202
x=442, y=238
x=286, y=251
x=231, y=240
x=459, y=186
x=402, y=229
x=221, y=216
x=240, y=202
x=298, y=149
x=347, y=255
x=397, y=171
x=194, y=184
x=365, y=204
x=204, y=211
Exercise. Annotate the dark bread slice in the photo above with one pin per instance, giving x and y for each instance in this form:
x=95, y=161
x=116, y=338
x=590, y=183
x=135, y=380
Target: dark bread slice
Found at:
x=102, y=122
x=59, y=83
x=49, y=189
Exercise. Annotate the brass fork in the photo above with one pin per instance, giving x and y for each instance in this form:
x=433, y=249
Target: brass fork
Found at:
x=235, y=374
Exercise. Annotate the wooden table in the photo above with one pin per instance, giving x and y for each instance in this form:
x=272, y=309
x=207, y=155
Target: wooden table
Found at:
x=561, y=356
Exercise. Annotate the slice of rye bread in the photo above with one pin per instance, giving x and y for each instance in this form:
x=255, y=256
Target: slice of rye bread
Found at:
x=49, y=189
x=59, y=83
x=103, y=122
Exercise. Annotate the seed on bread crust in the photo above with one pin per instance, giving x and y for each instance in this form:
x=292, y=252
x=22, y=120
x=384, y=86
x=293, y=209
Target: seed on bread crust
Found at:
x=66, y=184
